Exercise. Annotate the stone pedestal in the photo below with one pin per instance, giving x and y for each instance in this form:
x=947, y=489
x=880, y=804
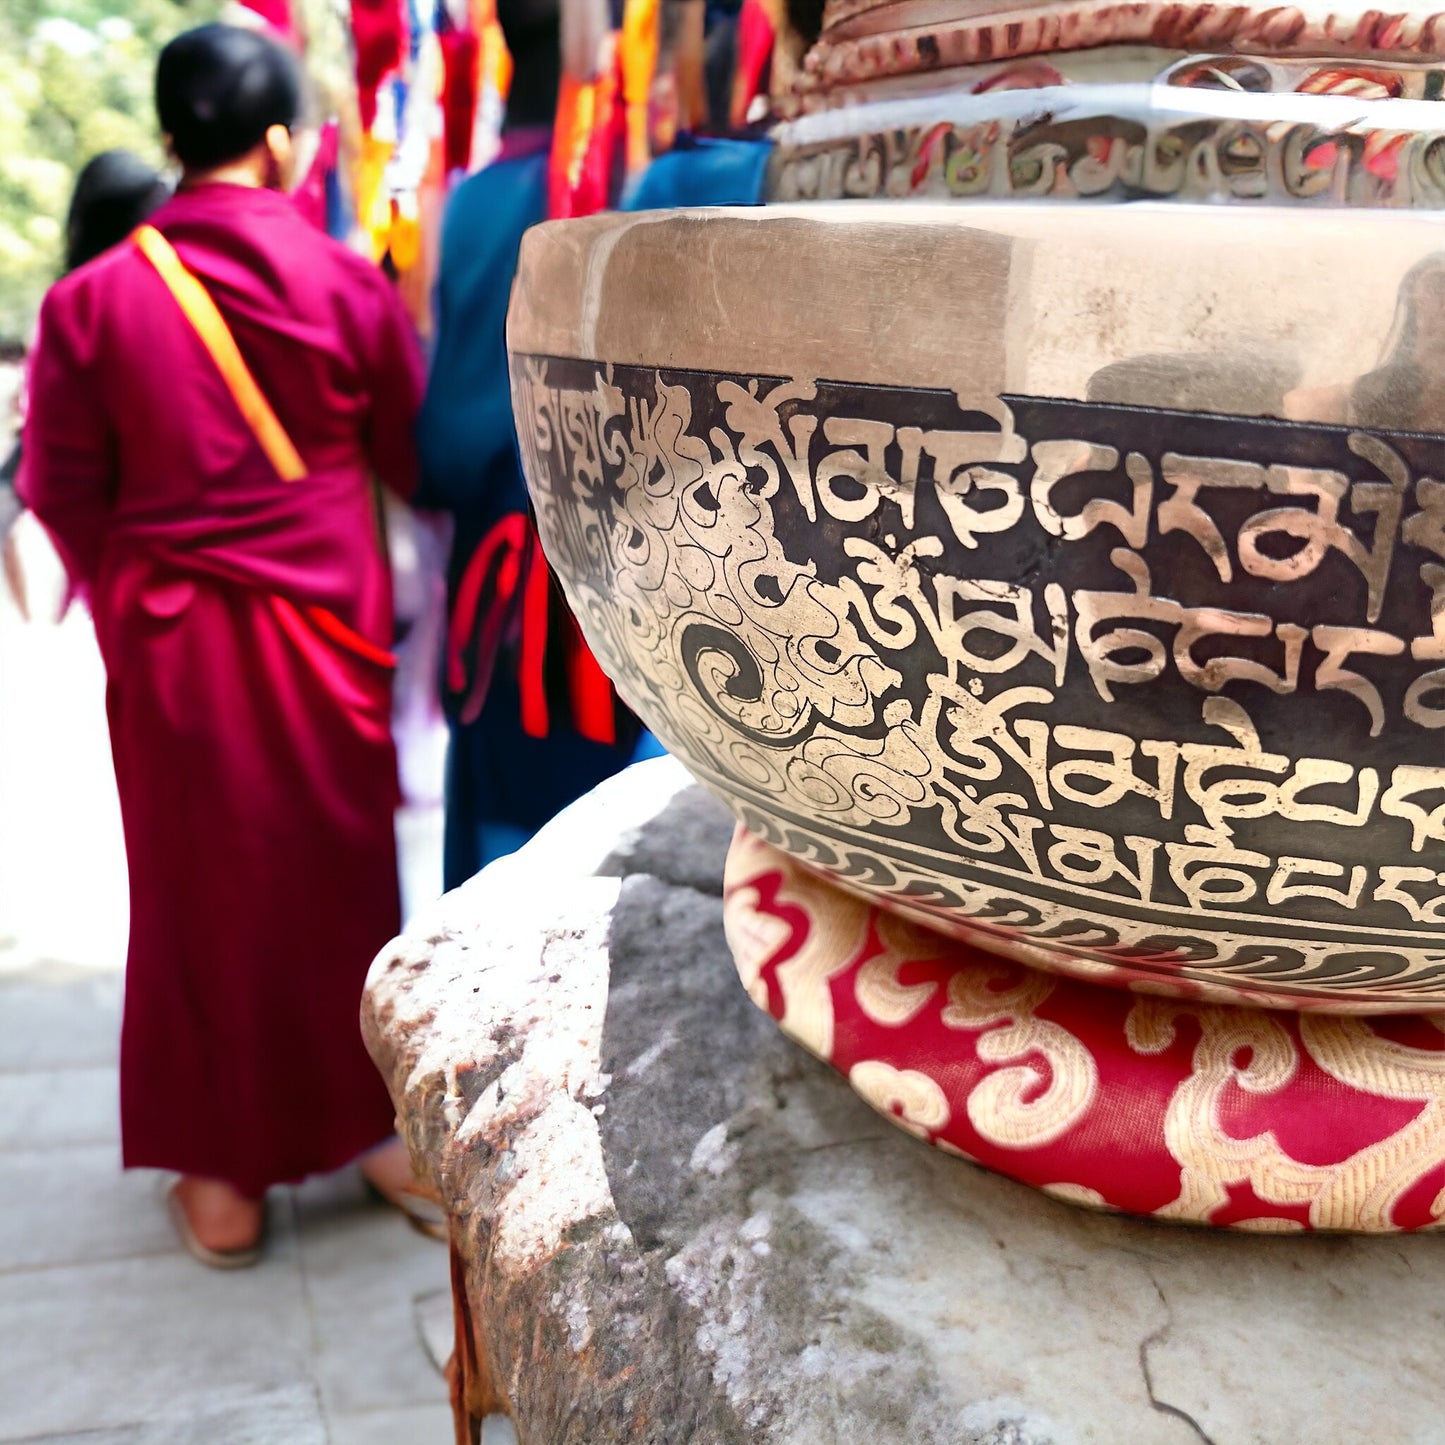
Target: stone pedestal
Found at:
x=671, y=1225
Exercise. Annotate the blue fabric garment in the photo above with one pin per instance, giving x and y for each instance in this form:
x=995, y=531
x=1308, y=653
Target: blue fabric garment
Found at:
x=338, y=217
x=466, y=439
x=501, y=784
x=703, y=172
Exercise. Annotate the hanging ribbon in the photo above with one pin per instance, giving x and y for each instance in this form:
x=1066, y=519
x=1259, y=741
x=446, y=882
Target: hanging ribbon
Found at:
x=580, y=174
x=461, y=57
x=755, y=41
x=638, y=46
x=275, y=13
x=379, y=29
x=507, y=595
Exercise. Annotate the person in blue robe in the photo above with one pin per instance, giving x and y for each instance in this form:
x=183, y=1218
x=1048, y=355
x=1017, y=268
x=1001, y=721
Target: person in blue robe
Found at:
x=703, y=171
x=502, y=782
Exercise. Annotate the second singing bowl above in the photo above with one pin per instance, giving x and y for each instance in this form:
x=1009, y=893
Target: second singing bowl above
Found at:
x=1071, y=578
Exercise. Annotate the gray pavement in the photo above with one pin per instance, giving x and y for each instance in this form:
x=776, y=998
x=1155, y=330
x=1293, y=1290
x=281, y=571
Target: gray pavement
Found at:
x=113, y=1336
x=109, y=1333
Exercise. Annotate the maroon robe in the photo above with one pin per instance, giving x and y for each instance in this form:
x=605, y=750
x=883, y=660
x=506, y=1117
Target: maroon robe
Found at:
x=243, y=621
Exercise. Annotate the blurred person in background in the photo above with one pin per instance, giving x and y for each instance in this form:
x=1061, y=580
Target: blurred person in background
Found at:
x=520, y=750
x=11, y=563
x=114, y=192
x=208, y=406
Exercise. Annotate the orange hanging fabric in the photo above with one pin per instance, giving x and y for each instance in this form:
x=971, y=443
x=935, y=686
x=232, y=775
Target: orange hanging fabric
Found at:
x=579, y=180
x=638, y=46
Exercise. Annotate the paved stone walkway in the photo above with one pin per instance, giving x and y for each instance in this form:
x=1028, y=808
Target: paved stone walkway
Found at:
x=113, y=1336
x=109, y=1334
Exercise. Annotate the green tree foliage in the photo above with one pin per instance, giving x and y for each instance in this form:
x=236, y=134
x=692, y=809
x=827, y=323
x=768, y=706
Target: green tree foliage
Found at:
x=75, y=79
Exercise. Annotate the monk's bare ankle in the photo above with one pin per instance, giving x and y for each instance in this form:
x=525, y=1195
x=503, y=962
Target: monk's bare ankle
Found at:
x=387, y=1168
x=220, y=1216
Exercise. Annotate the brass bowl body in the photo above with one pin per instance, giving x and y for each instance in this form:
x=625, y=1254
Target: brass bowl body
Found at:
x=1070, y=577
x=1162, y=133
x=1319, y=104
x=867, y=41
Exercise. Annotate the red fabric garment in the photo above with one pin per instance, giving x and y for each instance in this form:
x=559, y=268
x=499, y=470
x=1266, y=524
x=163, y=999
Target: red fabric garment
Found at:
x=507, y=595
x=310, y=196
x=590, y=145
x=461, y=51
x=251, y=739
x=276, y=14
x=755, y=41
x=378, y=29
x=1155, y=1105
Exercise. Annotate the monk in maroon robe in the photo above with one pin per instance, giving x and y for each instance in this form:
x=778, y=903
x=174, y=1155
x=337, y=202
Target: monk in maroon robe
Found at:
x=242, y=604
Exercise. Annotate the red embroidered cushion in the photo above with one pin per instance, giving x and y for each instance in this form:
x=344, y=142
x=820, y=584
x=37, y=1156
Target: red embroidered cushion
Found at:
x=1181, y=1110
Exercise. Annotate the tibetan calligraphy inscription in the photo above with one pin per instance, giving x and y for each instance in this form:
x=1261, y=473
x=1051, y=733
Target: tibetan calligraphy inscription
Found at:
x=1147, y=690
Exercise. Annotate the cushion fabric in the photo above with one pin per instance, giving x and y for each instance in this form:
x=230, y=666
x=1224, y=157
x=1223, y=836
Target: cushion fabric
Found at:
x=1166, y=1107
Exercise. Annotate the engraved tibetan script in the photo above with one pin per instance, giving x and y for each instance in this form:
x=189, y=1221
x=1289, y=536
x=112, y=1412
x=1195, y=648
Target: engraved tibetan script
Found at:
x=1180, y=661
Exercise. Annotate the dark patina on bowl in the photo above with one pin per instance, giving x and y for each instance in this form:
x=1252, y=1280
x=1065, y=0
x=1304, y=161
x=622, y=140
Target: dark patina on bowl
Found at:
x=1071, y=577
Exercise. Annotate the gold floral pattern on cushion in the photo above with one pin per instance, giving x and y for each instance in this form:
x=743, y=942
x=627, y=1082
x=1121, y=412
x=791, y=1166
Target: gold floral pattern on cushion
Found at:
x=1174, y=1108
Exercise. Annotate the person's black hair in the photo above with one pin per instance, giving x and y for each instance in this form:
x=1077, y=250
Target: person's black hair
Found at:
x=806, y=19
x=219, y=89
x=114, y=193
x=533, y=32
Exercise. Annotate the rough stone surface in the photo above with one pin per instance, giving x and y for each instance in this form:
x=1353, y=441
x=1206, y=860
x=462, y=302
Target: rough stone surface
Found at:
x=672, y=1225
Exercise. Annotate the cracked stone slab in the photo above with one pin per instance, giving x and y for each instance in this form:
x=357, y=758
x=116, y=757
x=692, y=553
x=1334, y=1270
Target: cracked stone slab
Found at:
x=672, y=1224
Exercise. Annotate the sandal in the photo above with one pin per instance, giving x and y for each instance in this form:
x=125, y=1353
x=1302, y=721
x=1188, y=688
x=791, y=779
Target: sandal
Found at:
x=426, y=1216
x=242, y=1258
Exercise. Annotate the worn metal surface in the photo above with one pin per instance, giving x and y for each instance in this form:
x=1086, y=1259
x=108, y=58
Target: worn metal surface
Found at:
x=1124, y=140
x=862, y=41
x=1325, y=105
x=1073, y=576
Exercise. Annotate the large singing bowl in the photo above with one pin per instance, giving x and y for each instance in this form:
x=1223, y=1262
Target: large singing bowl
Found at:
x=1070, y=578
